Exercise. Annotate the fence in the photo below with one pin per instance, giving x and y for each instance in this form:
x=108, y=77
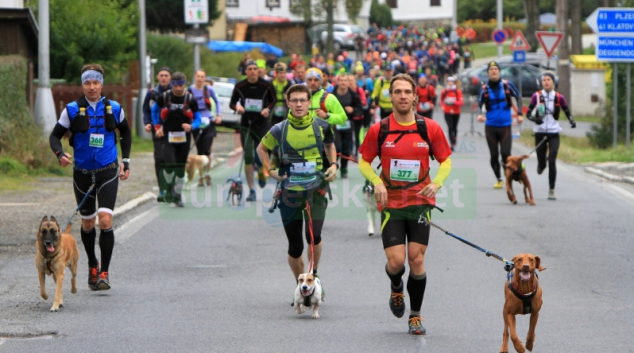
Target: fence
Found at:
x=64, y=94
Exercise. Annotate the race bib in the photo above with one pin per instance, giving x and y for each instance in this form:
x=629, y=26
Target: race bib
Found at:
x=423, y=107
x=345, y=126
x=176, y=137
x=450, y=101
x=204, y=121
x=279, y=110
x=404, y=170
x=253, y=105
x=96, y=140
x=303, y=172
x=386, y=93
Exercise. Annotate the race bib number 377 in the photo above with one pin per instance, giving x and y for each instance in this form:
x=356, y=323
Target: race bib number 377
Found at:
x=404, y=170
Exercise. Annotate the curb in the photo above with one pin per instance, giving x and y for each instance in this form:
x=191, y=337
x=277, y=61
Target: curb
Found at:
x=149, y=196
x=610, y=177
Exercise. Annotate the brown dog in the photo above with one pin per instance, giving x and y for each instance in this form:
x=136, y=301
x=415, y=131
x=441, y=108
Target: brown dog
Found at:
x=55, y=251
x=523, y=296
x=515, y=171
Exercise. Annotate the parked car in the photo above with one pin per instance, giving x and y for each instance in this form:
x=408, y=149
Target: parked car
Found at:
x=224, y=89
x=473, y=79
x=343, y=35
x=539, y=60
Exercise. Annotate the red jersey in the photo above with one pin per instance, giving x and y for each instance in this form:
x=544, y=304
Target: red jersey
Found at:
x=406, y=161
x=453, y=96
x=427, y=95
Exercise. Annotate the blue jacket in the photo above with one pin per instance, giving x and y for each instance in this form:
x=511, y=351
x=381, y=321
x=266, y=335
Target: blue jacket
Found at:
x=86, y=156
x=499, y=114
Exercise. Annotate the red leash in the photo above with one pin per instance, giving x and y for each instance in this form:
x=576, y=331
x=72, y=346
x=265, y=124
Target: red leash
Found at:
x=348, y=158
x=312, y=239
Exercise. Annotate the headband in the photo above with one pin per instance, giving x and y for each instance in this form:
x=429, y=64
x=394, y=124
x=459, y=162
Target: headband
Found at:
x=91, y=75
x=250, y=63
x=179, y=82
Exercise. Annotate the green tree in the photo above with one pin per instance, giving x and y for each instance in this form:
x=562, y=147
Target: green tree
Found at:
x=381, y=14
x=83, y=31
x=168, y=16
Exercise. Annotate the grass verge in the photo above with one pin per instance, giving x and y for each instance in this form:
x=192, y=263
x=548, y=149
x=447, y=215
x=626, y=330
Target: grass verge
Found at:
x=487, y=50
x=579, y=150
x=588, y=119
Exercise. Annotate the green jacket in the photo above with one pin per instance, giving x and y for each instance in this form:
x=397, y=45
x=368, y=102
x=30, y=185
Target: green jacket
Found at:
x=337, y=113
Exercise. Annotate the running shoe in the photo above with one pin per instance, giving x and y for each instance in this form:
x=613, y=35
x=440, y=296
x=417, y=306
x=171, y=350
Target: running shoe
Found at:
x=540, y=170
x=551, y=194
x=178, y=203
x=251, y=196
x=161, y=196
x=93, y=274
x=396, y=304
x=498, y=184
x=103, y=283
x=415, y=327
x=261, y=178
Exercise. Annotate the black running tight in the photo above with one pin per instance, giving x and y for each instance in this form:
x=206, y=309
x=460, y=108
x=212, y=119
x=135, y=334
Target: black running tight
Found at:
x=550, y=146
x=499, y=136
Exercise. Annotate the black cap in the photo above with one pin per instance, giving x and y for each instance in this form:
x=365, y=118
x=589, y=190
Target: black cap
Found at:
x=549, y=74
x=164, y=68
x=493, y=63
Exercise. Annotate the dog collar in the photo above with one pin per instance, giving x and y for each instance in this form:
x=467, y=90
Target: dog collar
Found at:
x=49, y=261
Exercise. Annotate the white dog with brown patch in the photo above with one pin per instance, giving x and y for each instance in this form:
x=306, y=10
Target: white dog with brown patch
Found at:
x=370, y=206
x=308, y=294
x=195, y=167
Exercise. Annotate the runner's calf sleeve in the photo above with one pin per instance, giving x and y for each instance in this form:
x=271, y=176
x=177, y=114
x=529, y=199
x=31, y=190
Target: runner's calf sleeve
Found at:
x=106, y=243
x=416, y=288
x=88, y=238
x=396, y=278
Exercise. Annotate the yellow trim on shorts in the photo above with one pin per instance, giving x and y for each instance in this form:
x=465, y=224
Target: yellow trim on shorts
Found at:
x=387, y=218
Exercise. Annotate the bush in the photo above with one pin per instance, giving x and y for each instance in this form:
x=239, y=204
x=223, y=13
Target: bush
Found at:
x=484, y=29
x=601, y=135
x=173, y=52
x=21, y=139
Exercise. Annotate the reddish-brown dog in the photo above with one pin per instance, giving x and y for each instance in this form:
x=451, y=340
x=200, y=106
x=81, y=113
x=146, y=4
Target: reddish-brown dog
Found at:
x=515, y=171
x=523, y=295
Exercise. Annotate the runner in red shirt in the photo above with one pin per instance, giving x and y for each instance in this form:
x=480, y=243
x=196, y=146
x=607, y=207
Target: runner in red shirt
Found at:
x=405, y=191
x=426, y=94
x=451, y=101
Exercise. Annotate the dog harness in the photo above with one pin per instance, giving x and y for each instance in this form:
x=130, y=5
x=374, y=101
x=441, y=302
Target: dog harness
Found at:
x=518, y=173
x=49, y=261
x=527, y=299
x=307, y=299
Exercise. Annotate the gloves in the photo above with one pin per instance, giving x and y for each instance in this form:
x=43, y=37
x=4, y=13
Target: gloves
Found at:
x=126, y=166
x=573, y=123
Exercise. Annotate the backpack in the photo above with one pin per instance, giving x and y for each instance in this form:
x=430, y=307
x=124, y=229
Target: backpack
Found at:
x=322, y=101
x=205, y=96
x=556, y=101
x=167, y=102
x=507, y=95
x=80, y=122
x=421, y=129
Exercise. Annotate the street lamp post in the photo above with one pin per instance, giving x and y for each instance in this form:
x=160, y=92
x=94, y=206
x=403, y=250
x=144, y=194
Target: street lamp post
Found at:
x=44, y=105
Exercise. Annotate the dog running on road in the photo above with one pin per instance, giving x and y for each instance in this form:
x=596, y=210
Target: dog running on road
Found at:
x=370, y=206
x=235, y=191
x=515, y=170
x=523, y=295
x=55, y=251
x=308, y=294
x=196, y=166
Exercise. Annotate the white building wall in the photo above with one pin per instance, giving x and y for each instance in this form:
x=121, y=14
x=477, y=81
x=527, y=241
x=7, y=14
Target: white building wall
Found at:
x=420, y=10
x=583, y=84
x=251, y=8
x=12, y=4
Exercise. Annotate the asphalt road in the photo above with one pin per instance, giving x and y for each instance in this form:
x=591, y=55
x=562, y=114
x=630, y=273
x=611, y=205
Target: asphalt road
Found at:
x=211, y=278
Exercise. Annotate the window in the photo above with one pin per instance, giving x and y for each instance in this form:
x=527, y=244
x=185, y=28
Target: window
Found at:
x=435, y=3
x=293, y=3
x=272, y=3
x=233, y=3
x=393, y=4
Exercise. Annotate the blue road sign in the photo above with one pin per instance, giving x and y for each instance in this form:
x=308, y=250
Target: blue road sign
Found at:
x=615, y=48
x=612, y=20
x=519, y=56
x=498, y=35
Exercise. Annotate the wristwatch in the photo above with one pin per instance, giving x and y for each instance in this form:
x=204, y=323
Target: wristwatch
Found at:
x=327, y=115
x=335, y=163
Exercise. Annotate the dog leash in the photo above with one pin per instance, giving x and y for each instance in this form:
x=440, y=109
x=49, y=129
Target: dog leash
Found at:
x=508, y=265
x=348, y=158
x=81, y=203
x=312, y=239
x=539, y=144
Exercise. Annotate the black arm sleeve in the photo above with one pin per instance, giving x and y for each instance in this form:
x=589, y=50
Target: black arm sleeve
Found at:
x=126, y=139
x=55, y=140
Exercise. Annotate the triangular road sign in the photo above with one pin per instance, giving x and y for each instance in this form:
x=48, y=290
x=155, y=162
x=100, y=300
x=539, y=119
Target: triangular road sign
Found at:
x=519, y=42
x=549, y=40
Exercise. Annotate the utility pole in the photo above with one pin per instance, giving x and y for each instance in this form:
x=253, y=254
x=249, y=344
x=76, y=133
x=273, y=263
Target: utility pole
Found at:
x=500, y=19
x=140, y=127
x=44, y=104
x=564, y=62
